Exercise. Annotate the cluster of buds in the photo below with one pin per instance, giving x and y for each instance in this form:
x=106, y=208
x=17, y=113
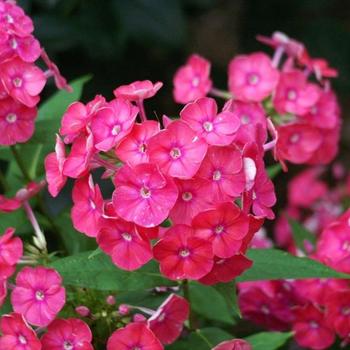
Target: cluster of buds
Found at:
x=21, y=80
x=315, y=309
x=287, y=96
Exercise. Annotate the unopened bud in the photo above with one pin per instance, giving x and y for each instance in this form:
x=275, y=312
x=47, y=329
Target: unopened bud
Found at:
x=82, y=310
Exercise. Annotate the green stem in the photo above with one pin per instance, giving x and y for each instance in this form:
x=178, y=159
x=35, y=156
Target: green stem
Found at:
x=20, y=163
x=186, y=291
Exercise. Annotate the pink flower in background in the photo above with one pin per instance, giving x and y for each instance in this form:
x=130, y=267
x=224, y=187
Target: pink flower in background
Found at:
x=3, y=291
x=294, y=94
x=133, y=149
x=16, y=122
x=252, y=77
x=8, y=205
x=192, y=80
x=88, y=207
x=71, y=333
x=17, y=334
x=177, y=150
x=202, y=116
x=182, y=255
x=128, y=248
x=222, y=167
x=22, y=81
x=138, y=90
x=38, y=295
x=235, y=344
x=143, y=195
x=54, y=168
x=11, y=248
x=194, y=196
x=112, y=123
x=311, y=328
x=225, y=227
x=167, y=322
x=134, y=336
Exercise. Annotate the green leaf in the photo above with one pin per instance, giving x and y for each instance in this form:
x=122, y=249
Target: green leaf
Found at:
x=274, y=264
x=274, y=170
x=301, y=234
x=98, y=272
x=228, y=291
x=268, y=340
x=210, y=303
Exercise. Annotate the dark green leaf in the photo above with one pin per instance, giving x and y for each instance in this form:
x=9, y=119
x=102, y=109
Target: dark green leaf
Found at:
x=300, y=234
x=228, y=291
x=268, y=340
x=274, y=170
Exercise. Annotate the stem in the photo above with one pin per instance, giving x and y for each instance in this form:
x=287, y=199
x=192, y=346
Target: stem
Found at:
x=20, y=163
x=142, y=110
x=105, y=164
x=221, y=93
x=270, y=145
x=277, y=56
x=186, y=290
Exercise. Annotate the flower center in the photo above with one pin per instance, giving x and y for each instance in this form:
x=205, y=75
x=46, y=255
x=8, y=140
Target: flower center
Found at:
x=208, y=126
x=313, y=325
x=22, y=339
x=265, y=310
x=39, y=295
x=11, y=118
x=127, y=236
x=216, y=175
x=291, y=95
x=253, y=79
x=345, y=311
x=145, y=192
x=184, y=253
x=187, y=196
x=219, y=229
x=67, y=345
x=17, y=82
x=346, y=246
x=142, y=148
x=195, y=81
x=116, y=130
x=13, y=43
x=294, y=138
x=245, y=119
x=9, y=18
x=175, y=153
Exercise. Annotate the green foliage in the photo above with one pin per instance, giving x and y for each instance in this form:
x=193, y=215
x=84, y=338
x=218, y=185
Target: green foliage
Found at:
x=301, y=234
x=268, y=340
x=274, y=170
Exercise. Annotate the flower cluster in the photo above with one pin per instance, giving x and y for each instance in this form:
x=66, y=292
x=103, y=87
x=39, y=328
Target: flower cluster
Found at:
x=21, y=81
x=275, y=95
x=190, y=174
x=315, y=309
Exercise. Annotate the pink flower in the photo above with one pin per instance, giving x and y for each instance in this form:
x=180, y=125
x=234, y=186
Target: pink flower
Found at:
x=194, y=197
x=133, y=149
x=138, y=90
x=134, y=336
x=311, y=328
x=3, y=292
x=202, y=117
x=225, y=227
x=222, y=167
x=319, y=66
x=177, y=150
x=225, y=270
x=128, y=248
x=143, y=195
x=182, y=255
x=235, y=344
x=167, y=322
x=11, y=251
x=67, y=334
x=17, y=334
x=8, y=205
x=251, y=116
x=297, y=142
x=60, y=80
x=16, y=122
x=38, y=295
x=22, y=81
x=112, y=123
x=294, y=94
x=192, y=80
x=54, y=168
x=88, y=207
x=252, y=77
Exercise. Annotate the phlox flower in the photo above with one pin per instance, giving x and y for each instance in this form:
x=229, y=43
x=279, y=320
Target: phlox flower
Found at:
x=3, y=291
x=138, y=90
x=203, y=117
x=38, y=295
x=143, y=195
x=183, y=255
x=235, y=344
x=71, y=334
x=192, y=80
x=8, y=205
x=177, y=150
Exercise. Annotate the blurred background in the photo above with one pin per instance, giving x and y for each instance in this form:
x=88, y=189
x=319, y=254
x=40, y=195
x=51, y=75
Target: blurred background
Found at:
x=119, y=41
